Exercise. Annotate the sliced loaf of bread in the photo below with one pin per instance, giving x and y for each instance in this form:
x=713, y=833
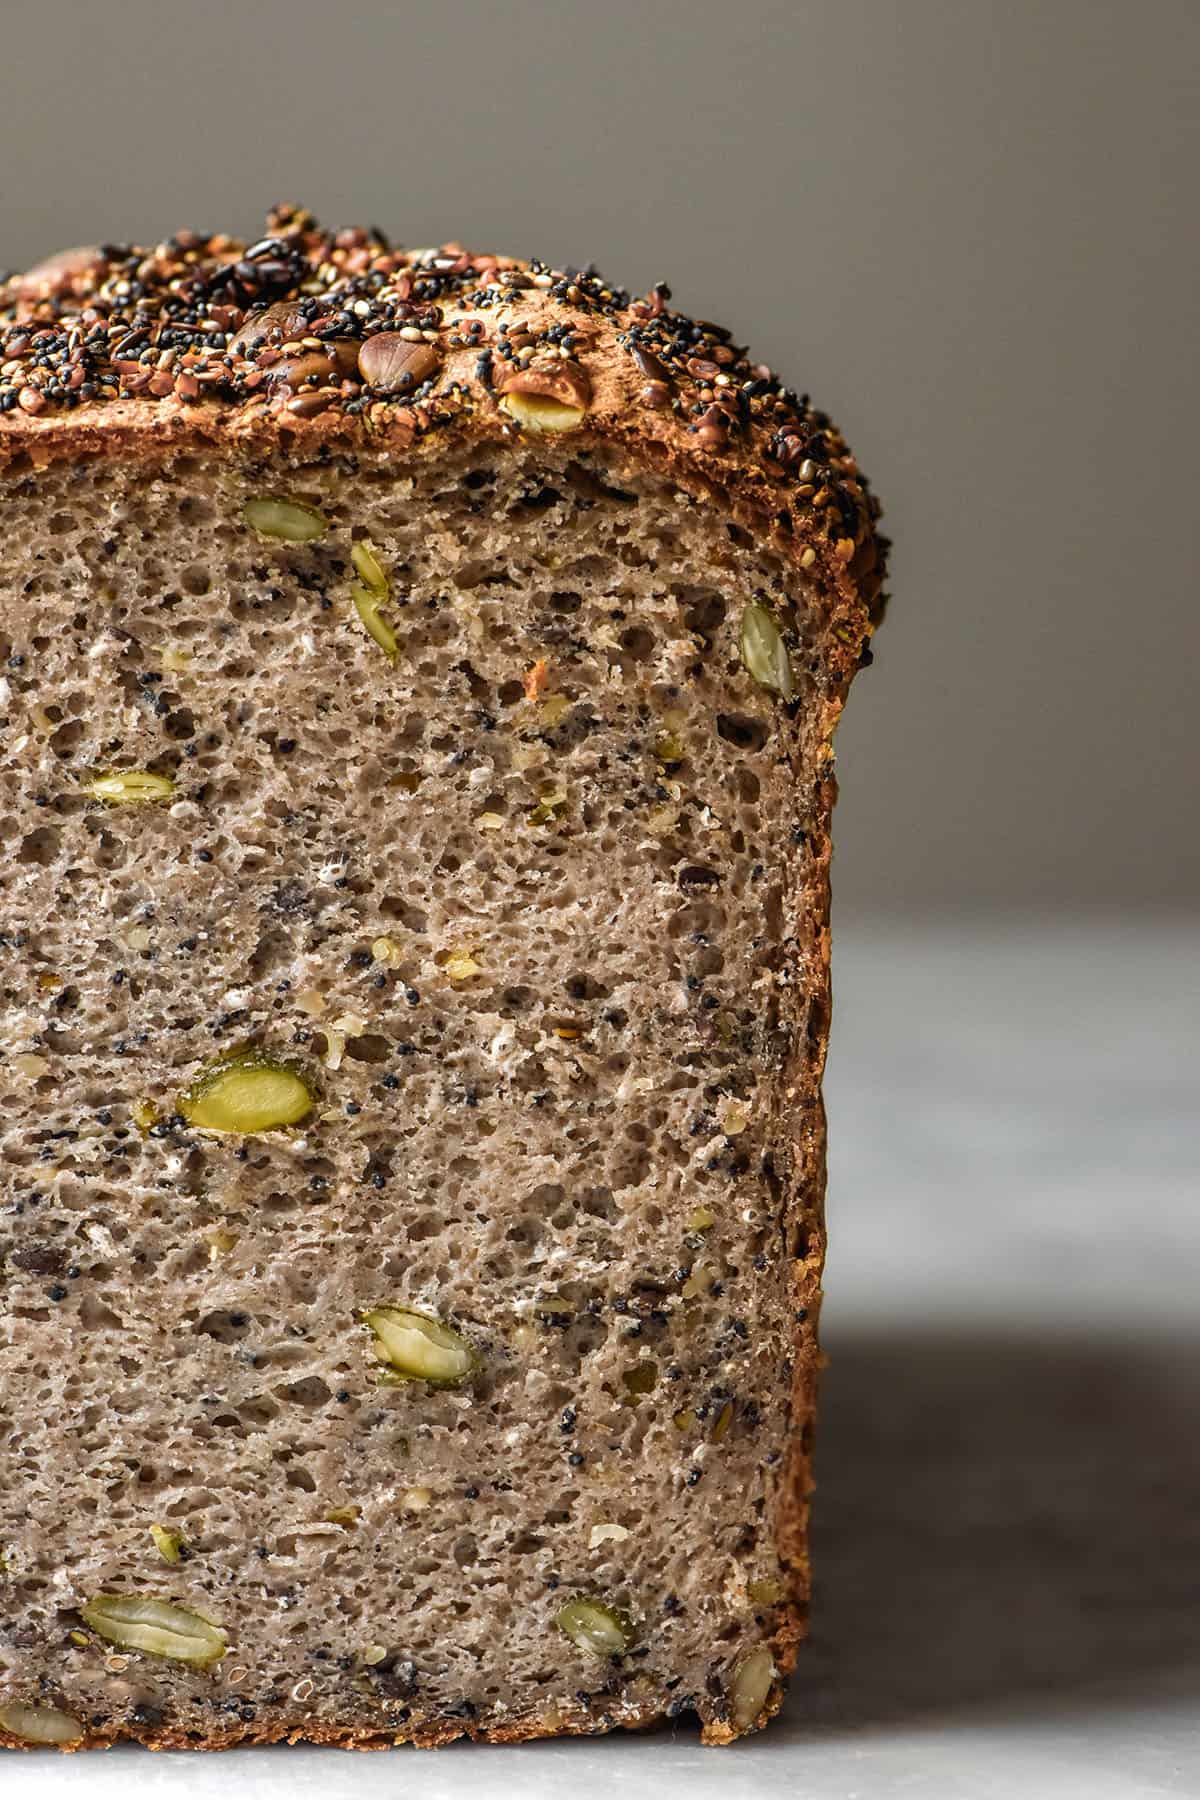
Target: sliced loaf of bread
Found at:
x=418, y=676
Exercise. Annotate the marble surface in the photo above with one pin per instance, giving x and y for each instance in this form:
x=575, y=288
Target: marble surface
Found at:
x=1008, y=1526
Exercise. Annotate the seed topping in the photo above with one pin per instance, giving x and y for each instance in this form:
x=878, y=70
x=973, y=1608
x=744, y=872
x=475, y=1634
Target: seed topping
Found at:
x=322, y=326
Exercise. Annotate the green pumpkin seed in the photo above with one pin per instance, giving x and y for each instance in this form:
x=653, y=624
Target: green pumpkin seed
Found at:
x=767, y=1592
x=371, y=570
x=764, y=652
x=289, y=520
x=247, y=1092
x=366, y=605
x=40, y=1725
x=549, y=807
x=157, y=1627
x=752, y=1686
x=592, y=1626
x=167, y=1543
x=416, y=1346
x=130, y=787
x=639, y=1380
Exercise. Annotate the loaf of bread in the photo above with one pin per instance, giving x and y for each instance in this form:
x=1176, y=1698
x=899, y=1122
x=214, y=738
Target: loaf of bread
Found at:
x=418, y=676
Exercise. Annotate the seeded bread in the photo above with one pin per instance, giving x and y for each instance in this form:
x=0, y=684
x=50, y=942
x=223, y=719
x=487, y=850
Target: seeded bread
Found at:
x=418, y=675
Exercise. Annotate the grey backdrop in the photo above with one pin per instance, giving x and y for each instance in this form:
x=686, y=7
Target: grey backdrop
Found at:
x=968, y=228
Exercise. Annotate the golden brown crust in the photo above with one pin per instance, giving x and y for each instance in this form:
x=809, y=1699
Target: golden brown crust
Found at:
x=117, y=351
x=427, y=1734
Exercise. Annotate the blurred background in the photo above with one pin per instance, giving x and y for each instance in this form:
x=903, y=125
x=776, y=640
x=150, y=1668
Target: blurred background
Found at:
x=969, y=229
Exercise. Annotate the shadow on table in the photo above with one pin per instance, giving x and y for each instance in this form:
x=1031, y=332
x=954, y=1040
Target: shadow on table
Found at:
x=1001, y=1520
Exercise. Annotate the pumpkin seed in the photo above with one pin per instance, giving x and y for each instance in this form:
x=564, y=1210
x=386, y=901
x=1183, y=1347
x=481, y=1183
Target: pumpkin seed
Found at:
x=346, y=1516
x=752, y=1685
x=145, y=1116
x=548, y=807
x=40, y=1725
x=290, y=520
x=158, y=1627
x=371, y=570
x=130, y=787
x=247, y=1092
x=167, y=1543
x=641, y=1379
x=764, y=652
x=592, y=1626
x=415, y=1346
x=366, y=605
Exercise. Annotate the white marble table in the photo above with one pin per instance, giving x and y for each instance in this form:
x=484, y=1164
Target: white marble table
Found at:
x=1008, y=1538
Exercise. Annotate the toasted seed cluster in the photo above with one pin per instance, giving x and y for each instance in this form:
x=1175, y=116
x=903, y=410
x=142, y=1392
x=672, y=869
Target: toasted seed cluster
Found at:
x=410, y=1136
x=309, y=323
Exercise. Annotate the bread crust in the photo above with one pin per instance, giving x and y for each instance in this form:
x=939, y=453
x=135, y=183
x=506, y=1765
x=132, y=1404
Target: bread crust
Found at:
x=82, y=336
x=667, y=393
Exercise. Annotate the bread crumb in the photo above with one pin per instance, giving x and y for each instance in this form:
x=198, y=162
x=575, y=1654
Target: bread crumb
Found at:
x=347, y=1026
x=602, y=1534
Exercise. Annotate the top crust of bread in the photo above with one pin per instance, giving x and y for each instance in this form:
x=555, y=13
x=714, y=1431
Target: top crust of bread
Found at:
x=136, y=353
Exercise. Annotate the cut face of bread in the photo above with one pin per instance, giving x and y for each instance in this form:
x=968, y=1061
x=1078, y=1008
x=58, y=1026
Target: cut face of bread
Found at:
x=414, y=951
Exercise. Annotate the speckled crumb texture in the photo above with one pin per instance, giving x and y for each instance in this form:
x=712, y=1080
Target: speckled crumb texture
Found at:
x=479, y=824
